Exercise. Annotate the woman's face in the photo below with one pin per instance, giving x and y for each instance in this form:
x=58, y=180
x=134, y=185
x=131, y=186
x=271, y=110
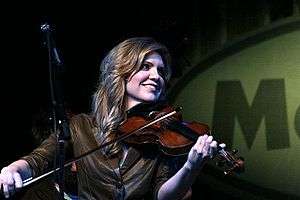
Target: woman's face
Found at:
x=147, y=84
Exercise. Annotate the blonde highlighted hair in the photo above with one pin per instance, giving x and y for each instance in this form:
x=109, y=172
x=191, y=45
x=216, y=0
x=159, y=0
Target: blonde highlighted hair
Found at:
x=109, y=100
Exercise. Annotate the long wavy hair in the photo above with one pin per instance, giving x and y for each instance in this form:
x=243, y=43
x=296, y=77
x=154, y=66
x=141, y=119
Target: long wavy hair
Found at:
x=109, y=100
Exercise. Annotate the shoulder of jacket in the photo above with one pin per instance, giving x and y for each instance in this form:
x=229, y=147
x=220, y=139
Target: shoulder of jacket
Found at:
x=81, y=119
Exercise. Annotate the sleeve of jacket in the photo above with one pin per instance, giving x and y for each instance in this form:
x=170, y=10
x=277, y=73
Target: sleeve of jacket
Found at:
x=43, y=157
x=168, y=166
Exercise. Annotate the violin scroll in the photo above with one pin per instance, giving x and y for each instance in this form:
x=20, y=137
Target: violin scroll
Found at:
x=233, y=163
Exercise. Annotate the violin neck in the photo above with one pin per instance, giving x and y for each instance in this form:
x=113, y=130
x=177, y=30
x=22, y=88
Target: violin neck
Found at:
x=183, y=130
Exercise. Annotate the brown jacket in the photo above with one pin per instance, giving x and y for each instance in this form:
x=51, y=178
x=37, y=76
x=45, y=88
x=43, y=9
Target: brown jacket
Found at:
x=140, y=176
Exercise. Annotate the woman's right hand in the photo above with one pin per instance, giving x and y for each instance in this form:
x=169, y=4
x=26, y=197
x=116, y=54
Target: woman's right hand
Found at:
x=10, y=180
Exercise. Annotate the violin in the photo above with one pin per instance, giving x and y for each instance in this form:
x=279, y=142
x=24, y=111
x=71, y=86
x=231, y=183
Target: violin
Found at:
x=174, y=136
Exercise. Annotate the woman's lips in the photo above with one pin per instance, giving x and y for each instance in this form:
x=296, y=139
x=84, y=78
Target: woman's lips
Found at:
x=151, y=86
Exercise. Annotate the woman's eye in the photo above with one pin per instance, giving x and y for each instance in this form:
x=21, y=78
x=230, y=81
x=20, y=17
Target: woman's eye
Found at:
x=145, y=66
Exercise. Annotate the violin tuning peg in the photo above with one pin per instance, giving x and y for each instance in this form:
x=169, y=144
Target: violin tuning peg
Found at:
x=179, y=108
x=234, y=151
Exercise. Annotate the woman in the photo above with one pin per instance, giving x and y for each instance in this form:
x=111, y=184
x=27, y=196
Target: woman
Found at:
x=133, y=81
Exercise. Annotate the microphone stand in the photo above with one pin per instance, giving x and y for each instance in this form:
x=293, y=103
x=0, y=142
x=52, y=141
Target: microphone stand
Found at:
x=60, y=120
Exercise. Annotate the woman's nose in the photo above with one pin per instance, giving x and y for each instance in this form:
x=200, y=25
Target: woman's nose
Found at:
x=154, y=73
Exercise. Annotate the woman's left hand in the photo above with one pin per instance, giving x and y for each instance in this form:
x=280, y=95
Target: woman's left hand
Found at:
x=203, y=148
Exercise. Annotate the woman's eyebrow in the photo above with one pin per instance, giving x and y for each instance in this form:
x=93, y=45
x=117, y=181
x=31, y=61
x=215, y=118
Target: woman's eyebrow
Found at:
x=149, y=62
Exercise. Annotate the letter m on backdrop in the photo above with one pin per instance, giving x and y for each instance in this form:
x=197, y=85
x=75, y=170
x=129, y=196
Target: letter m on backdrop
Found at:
x=269, y=103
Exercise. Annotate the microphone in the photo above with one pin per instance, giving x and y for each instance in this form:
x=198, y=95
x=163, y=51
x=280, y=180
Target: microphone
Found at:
x=50, y=43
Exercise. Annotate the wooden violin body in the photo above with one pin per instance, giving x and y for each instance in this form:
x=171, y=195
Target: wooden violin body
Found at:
x=171, y=142
x=173, y=135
